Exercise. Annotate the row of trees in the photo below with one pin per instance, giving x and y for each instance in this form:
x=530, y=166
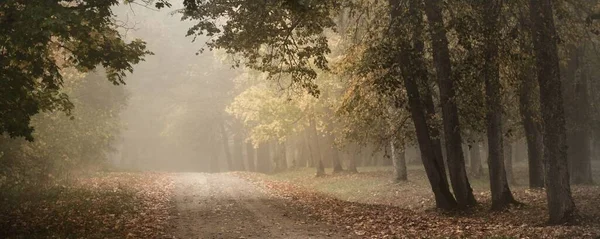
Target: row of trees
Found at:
x=464, y=72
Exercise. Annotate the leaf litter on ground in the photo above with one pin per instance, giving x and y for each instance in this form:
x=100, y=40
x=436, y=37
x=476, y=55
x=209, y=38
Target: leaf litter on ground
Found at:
x=381, y=220
x=105, y=205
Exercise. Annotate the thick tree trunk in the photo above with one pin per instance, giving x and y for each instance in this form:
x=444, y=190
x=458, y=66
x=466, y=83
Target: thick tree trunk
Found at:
x=399, y=162
x=250, y=157
x=476, y=168
x=441, y=56
x=226, y=149
x=410, y=60
x=558, y=189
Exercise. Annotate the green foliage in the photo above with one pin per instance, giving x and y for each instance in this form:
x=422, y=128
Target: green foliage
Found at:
x=65, y=143
x=278, y=37
x=41, y=38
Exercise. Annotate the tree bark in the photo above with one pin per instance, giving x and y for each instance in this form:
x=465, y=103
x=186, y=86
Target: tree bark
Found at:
x=441, y=56
x=399, y=162
x=411, y=63
x=558, y=189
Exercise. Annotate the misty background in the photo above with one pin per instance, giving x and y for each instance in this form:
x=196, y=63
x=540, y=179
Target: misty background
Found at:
x=177, y=98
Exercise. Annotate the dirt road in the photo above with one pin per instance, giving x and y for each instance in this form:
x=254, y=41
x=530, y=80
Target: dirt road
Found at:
x=225, y=206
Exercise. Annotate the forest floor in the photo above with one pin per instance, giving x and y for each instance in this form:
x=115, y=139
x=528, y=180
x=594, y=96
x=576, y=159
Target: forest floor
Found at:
x=291, y=204
x=375, y=207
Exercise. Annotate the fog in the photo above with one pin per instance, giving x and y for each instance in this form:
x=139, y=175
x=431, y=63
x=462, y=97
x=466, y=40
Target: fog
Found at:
x=177, y=97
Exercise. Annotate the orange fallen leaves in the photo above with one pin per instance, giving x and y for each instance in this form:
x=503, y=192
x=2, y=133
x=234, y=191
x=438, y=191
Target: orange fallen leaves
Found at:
x=106, y=205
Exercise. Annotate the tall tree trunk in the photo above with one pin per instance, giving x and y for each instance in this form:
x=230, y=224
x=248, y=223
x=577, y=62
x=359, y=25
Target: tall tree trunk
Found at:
x=250, y=157
x=226, y=149
x=411, y=63
x=399, y=162
x=476, y=167
x=441, y=56
x=558, y=189
x=533, y=133
x=501, y=195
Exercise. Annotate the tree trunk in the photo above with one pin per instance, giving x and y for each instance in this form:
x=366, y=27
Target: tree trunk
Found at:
x=410, y=60
x=501, y=195
x=578, y=110
x=282, y=153
x=316, y=151
x=441, y=56
x=533, y=133
x=508, y=161
x=476, y=167
x=250, y=157
x=225, y=142
x=558, y=189
x=399, y=162
x=335, y=155
x=353, y=156
x=466, y=152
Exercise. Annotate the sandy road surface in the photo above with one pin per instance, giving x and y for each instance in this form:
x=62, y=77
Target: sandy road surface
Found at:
x=225, y=206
